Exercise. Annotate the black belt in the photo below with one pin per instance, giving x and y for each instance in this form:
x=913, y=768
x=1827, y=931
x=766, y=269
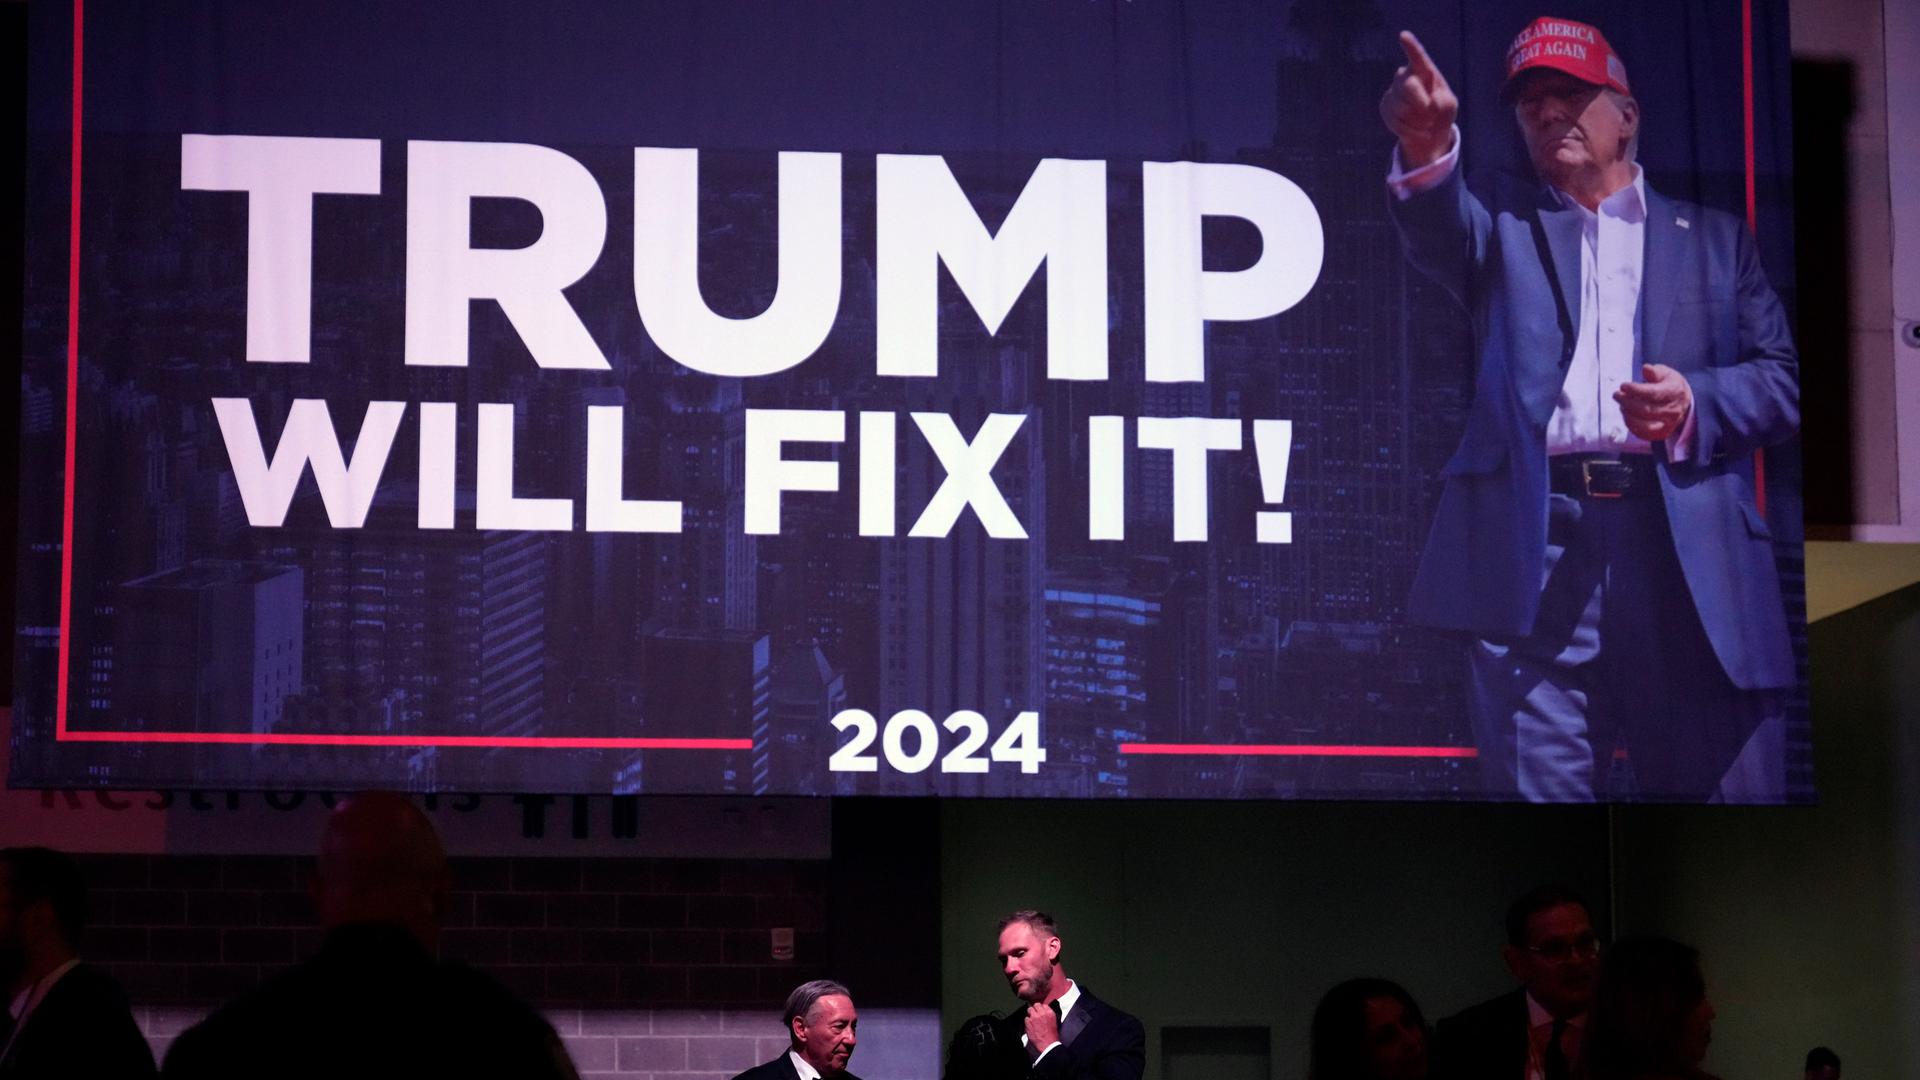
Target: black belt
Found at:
x=1586, y=476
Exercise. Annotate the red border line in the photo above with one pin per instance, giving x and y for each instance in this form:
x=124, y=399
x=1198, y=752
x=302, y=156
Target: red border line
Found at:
x=73, y=389
x=1746, y=86
x=1753, y=202
x=537, y=742
x=1285, y=750
x=241, y=738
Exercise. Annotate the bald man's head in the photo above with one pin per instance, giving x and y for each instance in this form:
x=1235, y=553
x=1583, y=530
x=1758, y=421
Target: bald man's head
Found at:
x=381, y=862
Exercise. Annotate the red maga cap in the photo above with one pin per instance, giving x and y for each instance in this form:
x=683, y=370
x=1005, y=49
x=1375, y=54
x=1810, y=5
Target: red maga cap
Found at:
x=1564, y=45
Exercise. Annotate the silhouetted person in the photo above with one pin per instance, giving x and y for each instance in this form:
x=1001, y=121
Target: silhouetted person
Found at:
x=64, y=1017
x=821, y=1032
x=374, y=1001
x=1368, y=1029
x=1822, y=1064
x=1532, y=1033
x=975, y=1049
x=1651, y=1017
x=1062, y=1031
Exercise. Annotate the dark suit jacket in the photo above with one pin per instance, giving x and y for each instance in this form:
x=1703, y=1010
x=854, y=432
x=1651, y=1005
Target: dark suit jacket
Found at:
x=1512, y=260
x=1485, y=1042
x=780, y=1068
x=373, y=1003
x=1099, y=1042
x=81, y=1028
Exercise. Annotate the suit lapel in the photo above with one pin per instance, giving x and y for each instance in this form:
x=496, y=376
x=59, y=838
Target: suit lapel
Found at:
x=1560, y=235
x=1079, y=1018
x=1520, y=1042
x=1658, y=276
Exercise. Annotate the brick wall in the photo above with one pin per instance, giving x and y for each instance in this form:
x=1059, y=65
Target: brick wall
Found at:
x=647, y=967
x=675, y=1044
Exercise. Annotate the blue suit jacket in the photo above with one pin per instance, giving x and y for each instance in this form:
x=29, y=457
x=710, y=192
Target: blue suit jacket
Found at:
x=1512, y=260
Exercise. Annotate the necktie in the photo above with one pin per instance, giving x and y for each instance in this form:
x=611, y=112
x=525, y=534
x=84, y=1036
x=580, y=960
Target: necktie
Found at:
x=1059, y=1018
x=1554, y=1059
x=1033, y=1048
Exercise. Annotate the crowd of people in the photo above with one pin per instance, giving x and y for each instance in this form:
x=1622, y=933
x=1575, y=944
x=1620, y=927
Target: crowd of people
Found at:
x=376, y=999
x=1635, y=1010
x=1638, y=1010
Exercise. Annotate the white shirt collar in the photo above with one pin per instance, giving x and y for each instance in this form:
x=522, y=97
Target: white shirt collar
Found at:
x=1628, y=204
x=803, y=1066
x=1069, y=999
x=1066, y=1002
x=1538, y=1016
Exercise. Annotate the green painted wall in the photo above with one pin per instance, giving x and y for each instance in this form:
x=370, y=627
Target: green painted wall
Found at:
x=1806, y=917
x=1232, y=914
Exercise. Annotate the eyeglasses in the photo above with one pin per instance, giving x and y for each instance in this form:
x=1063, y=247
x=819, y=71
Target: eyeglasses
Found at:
x=1560, y=950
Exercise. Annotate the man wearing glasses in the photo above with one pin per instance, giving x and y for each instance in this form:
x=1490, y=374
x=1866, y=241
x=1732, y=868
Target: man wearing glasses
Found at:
x=1532, y=1033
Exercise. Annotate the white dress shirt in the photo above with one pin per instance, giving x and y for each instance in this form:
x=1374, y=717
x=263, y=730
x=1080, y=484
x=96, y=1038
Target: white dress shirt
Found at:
x=1613, y=243
x=1613, y=239
x=803, y=1067
x=1067, y=1001
x=1540, y=1030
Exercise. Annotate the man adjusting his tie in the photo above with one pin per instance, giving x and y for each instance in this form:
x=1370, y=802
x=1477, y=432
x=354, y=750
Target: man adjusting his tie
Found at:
x=1063, y=1031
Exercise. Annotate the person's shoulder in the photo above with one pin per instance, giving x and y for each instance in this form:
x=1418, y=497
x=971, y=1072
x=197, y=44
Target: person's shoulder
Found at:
x=1101, y=1011
x=242, y=1027
x=84, y=1024
x=1699, y=218
x=93, y=999
x=90, y=983
x=1102, y=1003
x=478, y=993
x=1504, y=190
x=777, y=1069
x=466, y=979
x=227, y=1034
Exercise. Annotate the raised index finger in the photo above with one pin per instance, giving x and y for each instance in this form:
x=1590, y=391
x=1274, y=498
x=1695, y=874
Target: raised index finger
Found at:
x=1418, y=62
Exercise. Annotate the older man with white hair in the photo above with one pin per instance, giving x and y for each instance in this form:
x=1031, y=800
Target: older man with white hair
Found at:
x=821, y=1027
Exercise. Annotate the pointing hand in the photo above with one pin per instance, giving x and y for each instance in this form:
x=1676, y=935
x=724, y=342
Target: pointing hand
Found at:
x=1419, y=106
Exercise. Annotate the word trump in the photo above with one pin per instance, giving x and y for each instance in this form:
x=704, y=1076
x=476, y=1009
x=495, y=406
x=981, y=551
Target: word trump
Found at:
x=923, y=221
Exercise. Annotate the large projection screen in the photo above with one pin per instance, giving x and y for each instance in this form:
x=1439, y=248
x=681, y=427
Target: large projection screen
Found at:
x=1043, y=398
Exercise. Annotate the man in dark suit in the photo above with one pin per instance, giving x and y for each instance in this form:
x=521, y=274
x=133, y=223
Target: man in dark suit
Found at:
x=375, y=1000
x=821, y=1028
x=1062, y=1031
x=1597, y=534
x=1532, y=1033
x=63, y=1017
